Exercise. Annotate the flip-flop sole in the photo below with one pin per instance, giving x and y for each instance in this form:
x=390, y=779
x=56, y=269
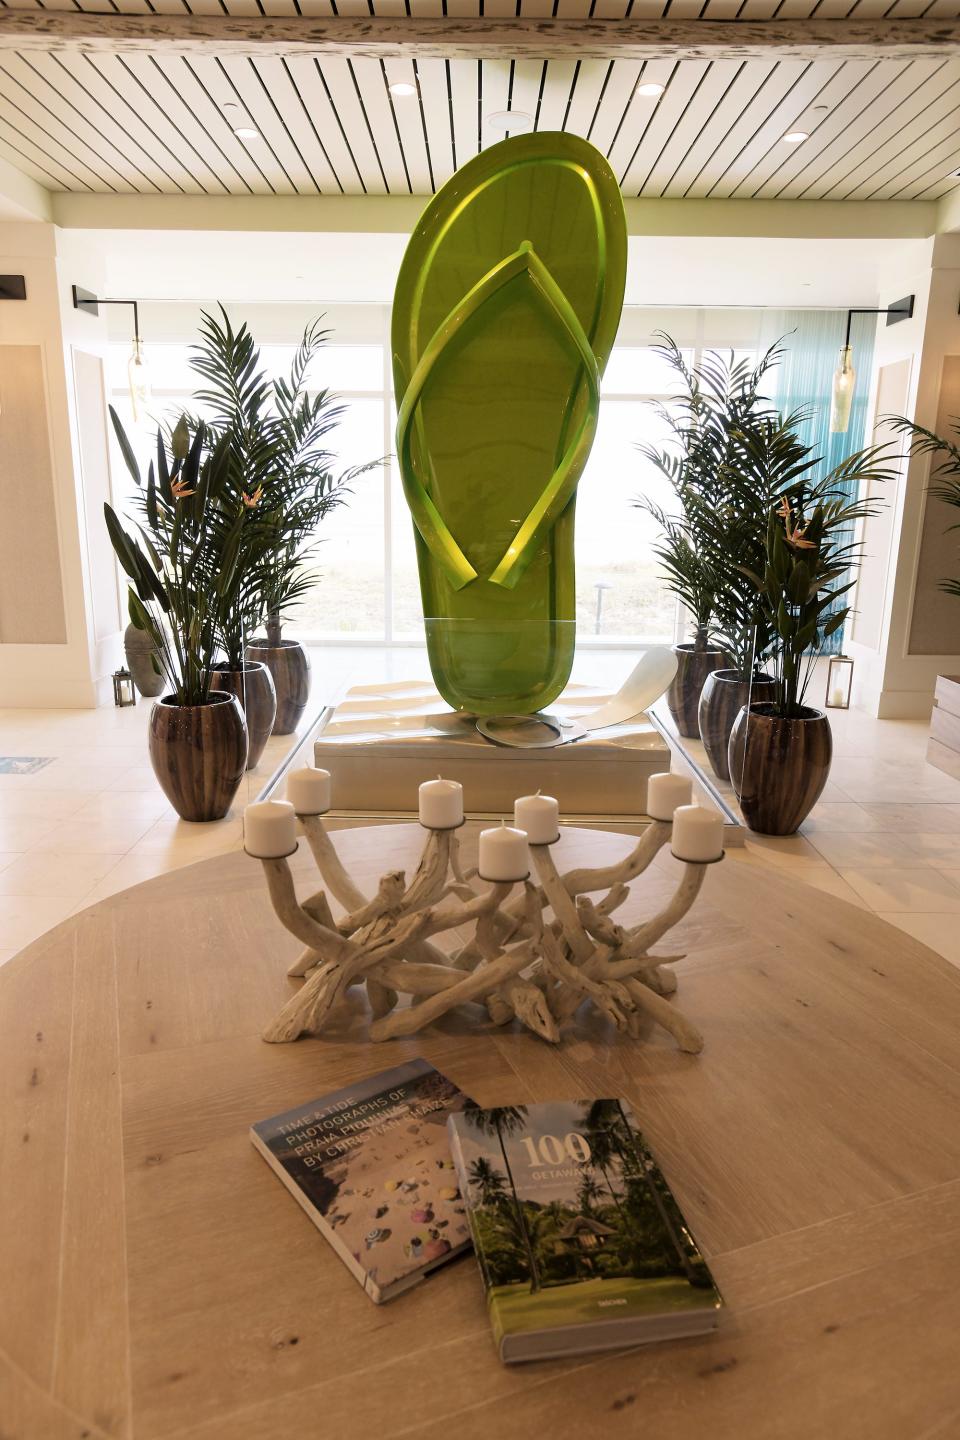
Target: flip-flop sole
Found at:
x=502, y=402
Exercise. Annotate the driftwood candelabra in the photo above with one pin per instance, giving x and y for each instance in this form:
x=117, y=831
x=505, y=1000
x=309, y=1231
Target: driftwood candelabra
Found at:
x=538, y=948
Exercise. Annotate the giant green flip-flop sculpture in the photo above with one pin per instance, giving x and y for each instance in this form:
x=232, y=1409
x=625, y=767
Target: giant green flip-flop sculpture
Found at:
x=505, y=312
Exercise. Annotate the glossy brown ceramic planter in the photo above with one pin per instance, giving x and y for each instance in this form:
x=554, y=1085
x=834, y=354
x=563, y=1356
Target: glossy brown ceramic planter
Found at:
x=724, y=695
x=253, y=689
x=683, y=696
x=289, y=665
x=198, y=754
x=779, y=767
x=138, y=649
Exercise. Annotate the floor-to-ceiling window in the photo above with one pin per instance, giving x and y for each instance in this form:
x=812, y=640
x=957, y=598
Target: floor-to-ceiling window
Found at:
x=367, y=588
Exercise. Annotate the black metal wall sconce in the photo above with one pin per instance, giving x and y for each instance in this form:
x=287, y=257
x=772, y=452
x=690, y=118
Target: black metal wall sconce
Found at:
x=844, y=377
x=138, y=375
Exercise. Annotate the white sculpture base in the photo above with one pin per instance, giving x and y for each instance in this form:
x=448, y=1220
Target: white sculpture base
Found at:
x=538, y=949
x=381, y=742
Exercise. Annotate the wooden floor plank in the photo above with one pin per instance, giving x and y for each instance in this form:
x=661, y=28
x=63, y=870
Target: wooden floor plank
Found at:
x=91, y=1373
x=35, y=1025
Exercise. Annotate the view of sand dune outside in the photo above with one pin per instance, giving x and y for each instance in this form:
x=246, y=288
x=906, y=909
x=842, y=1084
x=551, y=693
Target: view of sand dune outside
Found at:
x=367, y=586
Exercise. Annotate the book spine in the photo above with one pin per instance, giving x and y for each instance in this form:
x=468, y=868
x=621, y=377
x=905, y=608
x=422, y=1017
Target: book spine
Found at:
x=327, y=1231
x=463, y=1182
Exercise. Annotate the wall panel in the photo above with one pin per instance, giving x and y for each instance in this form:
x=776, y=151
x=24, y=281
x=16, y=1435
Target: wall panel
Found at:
x=94, y=459
x=31, y=591
x=935, y=624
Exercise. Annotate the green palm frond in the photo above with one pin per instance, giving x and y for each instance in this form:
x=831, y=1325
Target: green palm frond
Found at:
x=728, y=452
x=281, y=474
x=731, y=460
x=944, y=477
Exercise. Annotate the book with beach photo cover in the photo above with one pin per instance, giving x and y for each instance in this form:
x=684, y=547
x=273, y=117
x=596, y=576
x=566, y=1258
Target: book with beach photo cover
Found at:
x=580, y=1242
x=371, y=1167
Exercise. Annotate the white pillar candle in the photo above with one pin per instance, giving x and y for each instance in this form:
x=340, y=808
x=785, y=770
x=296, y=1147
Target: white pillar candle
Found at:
x=441, y=804
x=504, y=854
x=270, y=829
x=309, y=790
x=697, y=834
x=539, y=816
x=665, y=793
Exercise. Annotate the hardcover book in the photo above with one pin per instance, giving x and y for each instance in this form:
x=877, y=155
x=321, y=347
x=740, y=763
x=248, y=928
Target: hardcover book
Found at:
x=580, y=1242
x=371, y=1167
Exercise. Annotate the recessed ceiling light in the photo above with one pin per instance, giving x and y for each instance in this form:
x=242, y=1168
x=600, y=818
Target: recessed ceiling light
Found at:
x=403, y=88
x=239, y=121
x=510, y=122
x=795, y=137
x=651, y=88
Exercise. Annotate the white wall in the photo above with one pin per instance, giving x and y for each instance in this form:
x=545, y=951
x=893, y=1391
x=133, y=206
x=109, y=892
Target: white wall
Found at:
x=58, y=662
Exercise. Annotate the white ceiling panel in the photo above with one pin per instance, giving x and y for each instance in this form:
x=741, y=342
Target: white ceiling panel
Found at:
x=662, y=125
x=432, y=81
x=153, y=124
x=617, y=99
x=379, y=114
x=913, y=102
x=759, y=123
x=339, y=82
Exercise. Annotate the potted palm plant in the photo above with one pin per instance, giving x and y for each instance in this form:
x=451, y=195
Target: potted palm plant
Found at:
x=241, y=395
x=764, y=459
x=180, y=558
x=248, y=680
x=694, y=580
x=780, y=749
x=716, y=399
x=275, y=432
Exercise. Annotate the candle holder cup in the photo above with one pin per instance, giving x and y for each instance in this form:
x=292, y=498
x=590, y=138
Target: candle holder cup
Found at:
x=535, y=956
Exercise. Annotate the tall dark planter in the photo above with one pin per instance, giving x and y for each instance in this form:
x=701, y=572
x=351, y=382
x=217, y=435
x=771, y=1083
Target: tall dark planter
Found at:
x=138, y=649
x=198, y=754
x=683, y=696
x=779, y=767
x=723, y=697
x=289, y=665
x=254, y=691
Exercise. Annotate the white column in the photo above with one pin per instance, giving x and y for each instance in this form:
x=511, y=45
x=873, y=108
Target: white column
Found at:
x=906, y=631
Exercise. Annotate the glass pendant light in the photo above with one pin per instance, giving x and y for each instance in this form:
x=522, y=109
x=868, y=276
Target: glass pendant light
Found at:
x=138, y=373
x=138, y=376
x=844, y=379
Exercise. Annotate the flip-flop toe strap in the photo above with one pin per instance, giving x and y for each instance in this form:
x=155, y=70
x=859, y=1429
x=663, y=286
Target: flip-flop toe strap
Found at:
x=563, y=482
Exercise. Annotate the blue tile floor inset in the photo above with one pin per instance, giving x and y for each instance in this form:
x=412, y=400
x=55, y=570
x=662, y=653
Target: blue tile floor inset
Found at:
x=24, y=764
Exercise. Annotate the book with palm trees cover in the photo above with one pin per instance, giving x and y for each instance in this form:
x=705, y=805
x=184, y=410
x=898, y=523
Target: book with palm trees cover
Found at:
x=580, y=1241
x=371, y=1166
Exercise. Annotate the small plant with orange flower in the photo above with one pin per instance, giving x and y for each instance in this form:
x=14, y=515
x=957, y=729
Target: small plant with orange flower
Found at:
x=812, y=553
x=182, y=555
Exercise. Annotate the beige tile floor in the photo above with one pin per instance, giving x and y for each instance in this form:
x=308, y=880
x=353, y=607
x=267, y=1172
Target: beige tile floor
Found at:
x=886, y=835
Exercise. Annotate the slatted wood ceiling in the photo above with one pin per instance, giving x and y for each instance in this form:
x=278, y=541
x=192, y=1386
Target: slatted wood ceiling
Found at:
x=155, y=124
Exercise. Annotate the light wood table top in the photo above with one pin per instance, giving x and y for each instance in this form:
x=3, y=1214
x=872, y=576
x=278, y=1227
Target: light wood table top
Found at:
x=156, y=1280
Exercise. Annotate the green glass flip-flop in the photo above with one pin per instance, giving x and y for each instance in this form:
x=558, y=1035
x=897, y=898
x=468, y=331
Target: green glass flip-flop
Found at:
x=505, y=312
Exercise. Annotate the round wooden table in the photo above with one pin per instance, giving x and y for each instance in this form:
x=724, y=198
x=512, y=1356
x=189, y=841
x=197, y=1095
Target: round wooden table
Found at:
x=156, y=1280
